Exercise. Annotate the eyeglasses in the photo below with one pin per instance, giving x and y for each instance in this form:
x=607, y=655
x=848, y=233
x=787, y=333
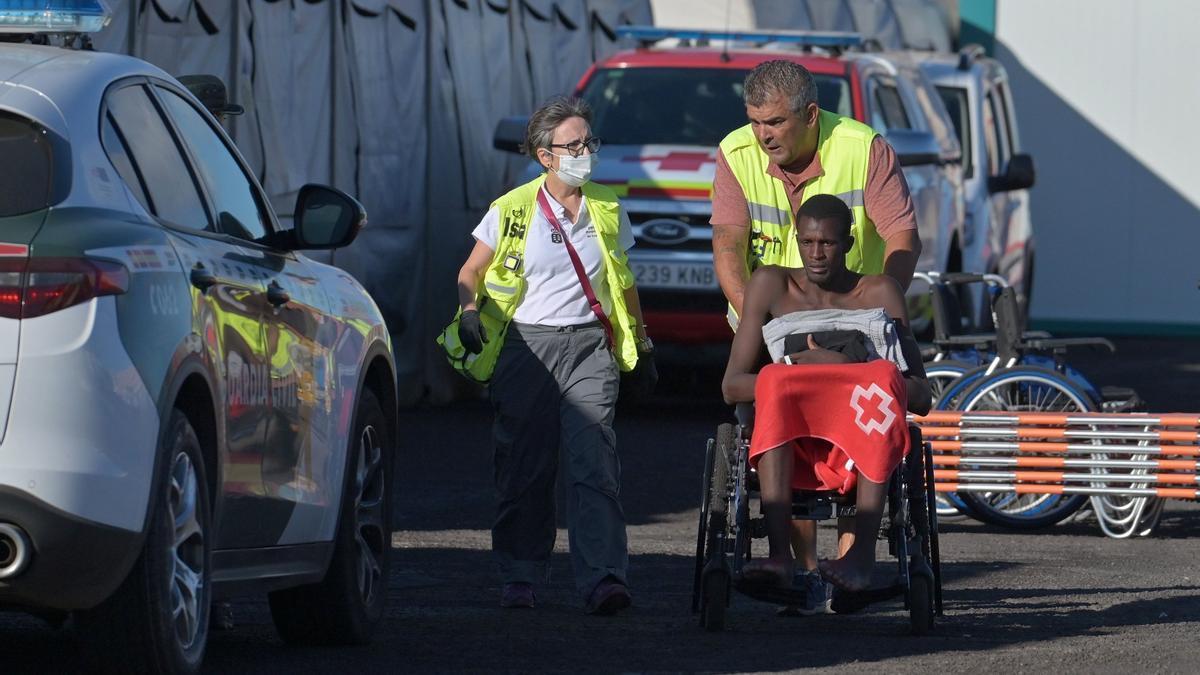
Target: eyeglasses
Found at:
x=576, y=147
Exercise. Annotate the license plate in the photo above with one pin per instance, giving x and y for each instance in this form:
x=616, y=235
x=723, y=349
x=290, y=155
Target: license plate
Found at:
x=674, y=275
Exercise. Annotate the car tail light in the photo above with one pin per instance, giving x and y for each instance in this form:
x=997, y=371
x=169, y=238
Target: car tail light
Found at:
x=31, y=287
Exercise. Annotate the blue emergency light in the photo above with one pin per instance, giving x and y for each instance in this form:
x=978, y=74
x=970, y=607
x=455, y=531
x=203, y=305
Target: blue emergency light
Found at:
x=650, y=34
x=53, y=16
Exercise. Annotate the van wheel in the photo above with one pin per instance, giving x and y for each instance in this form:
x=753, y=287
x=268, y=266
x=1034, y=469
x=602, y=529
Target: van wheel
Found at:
x=345, y=607
x=157, y=620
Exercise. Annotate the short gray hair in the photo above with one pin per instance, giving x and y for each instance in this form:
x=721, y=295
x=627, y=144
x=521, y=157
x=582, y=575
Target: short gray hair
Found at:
x=772, y=78
x=540, y=131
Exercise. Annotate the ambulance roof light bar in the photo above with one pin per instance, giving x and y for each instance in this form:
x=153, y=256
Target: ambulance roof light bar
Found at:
x=53, y=16
x=832, y=39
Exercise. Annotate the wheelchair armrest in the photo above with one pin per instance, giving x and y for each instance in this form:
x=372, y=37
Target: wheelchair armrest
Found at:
x=1064, y=343
x=744, y=412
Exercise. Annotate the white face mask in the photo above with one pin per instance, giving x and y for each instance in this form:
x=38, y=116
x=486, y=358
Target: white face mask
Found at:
x=575, y=171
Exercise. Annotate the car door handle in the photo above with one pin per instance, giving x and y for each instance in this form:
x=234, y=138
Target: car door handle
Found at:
x=276, y=295
x=201, y=278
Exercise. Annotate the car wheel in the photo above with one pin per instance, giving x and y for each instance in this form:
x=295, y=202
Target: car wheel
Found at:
x=157, y=620
x=345, y=606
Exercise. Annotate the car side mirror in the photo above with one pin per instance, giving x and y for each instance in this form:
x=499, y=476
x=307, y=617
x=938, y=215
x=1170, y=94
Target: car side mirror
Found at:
x=1018, y=175
x=510, y=134
x=914, y=148
x=325, y=218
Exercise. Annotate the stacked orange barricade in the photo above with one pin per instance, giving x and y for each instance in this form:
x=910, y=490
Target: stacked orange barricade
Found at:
x=1115, y=455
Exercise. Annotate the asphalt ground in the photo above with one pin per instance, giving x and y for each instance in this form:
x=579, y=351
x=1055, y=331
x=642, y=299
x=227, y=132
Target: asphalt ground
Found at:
x=1063, y=599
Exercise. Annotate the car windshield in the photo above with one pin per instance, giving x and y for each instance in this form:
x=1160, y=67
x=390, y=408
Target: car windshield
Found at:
x=681, y=106
x=26, y=174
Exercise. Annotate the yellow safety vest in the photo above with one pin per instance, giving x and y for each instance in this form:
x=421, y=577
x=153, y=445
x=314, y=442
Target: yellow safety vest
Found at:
x=504, y=282
x=844, y=147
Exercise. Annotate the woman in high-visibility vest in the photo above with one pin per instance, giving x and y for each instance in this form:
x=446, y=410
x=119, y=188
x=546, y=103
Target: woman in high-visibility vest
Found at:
x=549, y=316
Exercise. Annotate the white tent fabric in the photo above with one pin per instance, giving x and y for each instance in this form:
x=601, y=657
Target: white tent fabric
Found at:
x=608, y=15
x=388, y=50
x=115, y=36
x=876, y=20
x=308, y=133
x=830, y=15
x=923, y=24
x=782, y=14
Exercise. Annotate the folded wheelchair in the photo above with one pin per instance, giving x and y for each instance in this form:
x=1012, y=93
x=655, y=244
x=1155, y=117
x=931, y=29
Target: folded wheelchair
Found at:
x=727, y=530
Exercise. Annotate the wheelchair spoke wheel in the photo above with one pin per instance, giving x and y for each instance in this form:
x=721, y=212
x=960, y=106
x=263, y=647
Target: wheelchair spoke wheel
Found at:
x=920, y=604
x=712, y=567
x=1024, y=389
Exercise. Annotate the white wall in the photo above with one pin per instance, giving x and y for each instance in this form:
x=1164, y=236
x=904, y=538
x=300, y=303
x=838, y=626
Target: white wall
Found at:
x=1106, y=94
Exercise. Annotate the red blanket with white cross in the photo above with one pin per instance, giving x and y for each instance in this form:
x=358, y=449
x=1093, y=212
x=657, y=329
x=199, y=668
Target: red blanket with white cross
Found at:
x=839, y=420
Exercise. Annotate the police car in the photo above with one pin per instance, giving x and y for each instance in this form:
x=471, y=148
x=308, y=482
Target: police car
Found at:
x=661, y=111
x=190, y=408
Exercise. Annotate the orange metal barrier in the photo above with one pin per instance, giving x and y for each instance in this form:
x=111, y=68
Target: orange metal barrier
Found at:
x=1105, y=455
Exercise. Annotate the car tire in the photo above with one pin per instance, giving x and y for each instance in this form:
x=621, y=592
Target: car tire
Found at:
x=345, y=607
x=157, y=620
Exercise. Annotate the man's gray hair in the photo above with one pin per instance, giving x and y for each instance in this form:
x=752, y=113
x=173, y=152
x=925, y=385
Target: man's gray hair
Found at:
x=540, y=131
x=772, y=78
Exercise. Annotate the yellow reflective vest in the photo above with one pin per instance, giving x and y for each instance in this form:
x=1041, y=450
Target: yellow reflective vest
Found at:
x=844, y=147
x=504, y=284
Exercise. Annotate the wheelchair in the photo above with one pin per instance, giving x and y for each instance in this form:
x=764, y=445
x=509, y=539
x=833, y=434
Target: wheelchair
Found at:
x=1002, y=366
x=727, y=530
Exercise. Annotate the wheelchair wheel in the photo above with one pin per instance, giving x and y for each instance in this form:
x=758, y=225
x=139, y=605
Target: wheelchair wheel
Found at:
x=920, y=604
x=716, y=597
x=1024, y=389
x=941, y=374
x=712, y=571
x=702, y=529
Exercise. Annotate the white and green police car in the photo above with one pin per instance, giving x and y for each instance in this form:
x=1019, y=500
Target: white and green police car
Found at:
x=189, y=407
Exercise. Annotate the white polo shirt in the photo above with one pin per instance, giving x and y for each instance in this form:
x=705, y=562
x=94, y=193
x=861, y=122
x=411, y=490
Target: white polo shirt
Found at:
x=554, y=296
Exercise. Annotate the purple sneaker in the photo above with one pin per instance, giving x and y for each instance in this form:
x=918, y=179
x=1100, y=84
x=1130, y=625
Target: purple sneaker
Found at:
x=609, y=597
x=517, y=595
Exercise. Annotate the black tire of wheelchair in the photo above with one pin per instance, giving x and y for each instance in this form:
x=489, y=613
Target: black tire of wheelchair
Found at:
x=721, y=463
x=975, y=506
x=920, y=604
x=716, y=598
x=701, y=528
x=918, y=504
x=935, y=551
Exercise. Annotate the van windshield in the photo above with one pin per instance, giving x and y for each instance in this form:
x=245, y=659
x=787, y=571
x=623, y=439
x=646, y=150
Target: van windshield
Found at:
x=681, y=106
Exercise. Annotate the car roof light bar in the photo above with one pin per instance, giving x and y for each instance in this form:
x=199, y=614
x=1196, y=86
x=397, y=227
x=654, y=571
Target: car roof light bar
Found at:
x=652, y=34
x=53, y=16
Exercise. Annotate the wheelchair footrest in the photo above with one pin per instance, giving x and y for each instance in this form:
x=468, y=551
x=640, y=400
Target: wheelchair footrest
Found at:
x=845, y=602
x=777, y=595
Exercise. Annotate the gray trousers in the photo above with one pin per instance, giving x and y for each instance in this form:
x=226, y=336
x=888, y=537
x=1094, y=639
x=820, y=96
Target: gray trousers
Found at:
x=554, y=392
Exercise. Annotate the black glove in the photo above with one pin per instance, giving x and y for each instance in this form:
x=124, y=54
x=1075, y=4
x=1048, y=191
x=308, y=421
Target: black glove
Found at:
x=471, y=332
x=645, y=374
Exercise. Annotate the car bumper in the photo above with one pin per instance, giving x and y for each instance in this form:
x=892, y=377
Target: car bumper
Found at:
x=73, y=563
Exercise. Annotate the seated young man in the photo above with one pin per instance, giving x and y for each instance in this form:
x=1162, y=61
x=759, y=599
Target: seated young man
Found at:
x=796, y=448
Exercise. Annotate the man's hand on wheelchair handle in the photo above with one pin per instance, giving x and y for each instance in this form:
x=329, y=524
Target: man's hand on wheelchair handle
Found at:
x=471, y=332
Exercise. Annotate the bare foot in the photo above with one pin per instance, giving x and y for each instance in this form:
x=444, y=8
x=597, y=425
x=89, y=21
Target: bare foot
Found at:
x=845, y=575
x=775, y=571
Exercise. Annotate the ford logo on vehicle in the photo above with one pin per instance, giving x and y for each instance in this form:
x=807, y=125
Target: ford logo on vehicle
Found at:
x=665, y=231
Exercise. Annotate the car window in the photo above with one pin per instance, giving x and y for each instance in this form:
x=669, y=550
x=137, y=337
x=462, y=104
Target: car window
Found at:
x=239, y=211
x=118, y=152
x=151, y=148
x=955, y=100
x=1005, y=103
x=1000, y=128
x=681, y=106
x=887, y=111
x=26, y=175
x=990, y=142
